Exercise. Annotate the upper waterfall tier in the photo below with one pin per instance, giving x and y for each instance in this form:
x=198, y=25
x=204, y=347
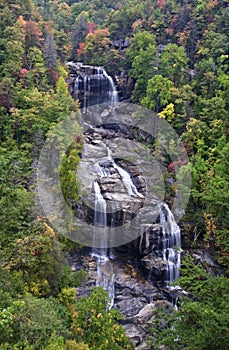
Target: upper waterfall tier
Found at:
x=91, y=85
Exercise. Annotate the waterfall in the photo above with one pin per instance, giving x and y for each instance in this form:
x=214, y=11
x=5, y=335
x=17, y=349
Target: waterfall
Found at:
x=93, y=85
x=105, y=276
x=76, y=88
x=127, y=181
x=100, y=219
x=126, y=178
x=171, y=242
x=113, y=95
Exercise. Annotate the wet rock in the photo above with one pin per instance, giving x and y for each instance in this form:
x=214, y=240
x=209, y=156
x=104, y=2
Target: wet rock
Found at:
x=154, y=265
x=131, y=307
x=136, y=335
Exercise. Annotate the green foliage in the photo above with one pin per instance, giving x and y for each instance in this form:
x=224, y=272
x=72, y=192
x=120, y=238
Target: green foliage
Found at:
x=199, y=324
x=140, y=56
x=195, y=326
x=141, y=40
x=173, y=63
x=72, y=345
x=178, y=59
x=158, y=93
x=16, y=201
x=30, y=322
x=69, y=183
x=193, y=276
x=96, y=325
x=96, y=50
x=55, y=343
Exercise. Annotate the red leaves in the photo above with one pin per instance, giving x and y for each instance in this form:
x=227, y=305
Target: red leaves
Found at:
x=91, y=27
x=179, y=162
x=161, y=4
x=23, y=71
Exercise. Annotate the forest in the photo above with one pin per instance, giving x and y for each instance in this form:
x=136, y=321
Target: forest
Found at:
x=176, y=56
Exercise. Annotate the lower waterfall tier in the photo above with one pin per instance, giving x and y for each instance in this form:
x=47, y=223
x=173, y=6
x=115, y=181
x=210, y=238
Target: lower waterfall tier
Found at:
x=120, y=213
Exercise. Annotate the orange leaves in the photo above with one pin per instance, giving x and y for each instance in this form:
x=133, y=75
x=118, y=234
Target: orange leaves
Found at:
x=81, y=50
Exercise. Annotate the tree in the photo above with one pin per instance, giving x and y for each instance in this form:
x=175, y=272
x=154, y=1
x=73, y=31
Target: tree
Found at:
x=16, y=201
x=33, y=35
x=50, y=56
x=39, y=258
x=158, y=93
x=199, y=324
x=141, y=41
x=96, y=325
x=30, y=323
x=173, y=64
x=97, y=51
x=141, y=57
x=13, y=50
x=36, y=68
x=79, y=32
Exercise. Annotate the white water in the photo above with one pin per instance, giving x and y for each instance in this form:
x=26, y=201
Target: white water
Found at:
x=127, y=181
x=170, y=231
x=100, y=219
x=76, y=88
x=171, y=243
x=113, y=95
x=105, y=276
x=86, y=87
x=126, y=178
x=110, y=96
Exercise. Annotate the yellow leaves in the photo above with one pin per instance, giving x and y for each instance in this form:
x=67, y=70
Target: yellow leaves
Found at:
x=21, y=21
x=39, y=288
x=168, y=113
x=210, y=223
x=64, y=7
x=191, y=125
x=67, y=296
x=210, y=226
x=79, y=330
x=48, y=230
x=211, y=4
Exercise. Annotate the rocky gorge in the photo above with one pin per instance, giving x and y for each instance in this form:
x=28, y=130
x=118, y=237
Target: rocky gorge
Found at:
x=135, y=241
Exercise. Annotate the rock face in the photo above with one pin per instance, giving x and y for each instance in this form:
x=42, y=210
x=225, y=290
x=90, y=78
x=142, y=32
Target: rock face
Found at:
x=146, y=242
x=133, y=268
x=119, y=184
x=136, y=298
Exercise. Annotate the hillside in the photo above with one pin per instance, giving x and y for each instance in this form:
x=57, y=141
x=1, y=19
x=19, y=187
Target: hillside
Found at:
x=169, y=57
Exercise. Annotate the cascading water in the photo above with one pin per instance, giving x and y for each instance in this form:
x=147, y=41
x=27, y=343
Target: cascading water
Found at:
x=100, y=219
x=76, y=88
x=113, y=95
x=93, y=85
x=105, y=275
x=127, y=181
x=86, y=88
x=171, y=242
